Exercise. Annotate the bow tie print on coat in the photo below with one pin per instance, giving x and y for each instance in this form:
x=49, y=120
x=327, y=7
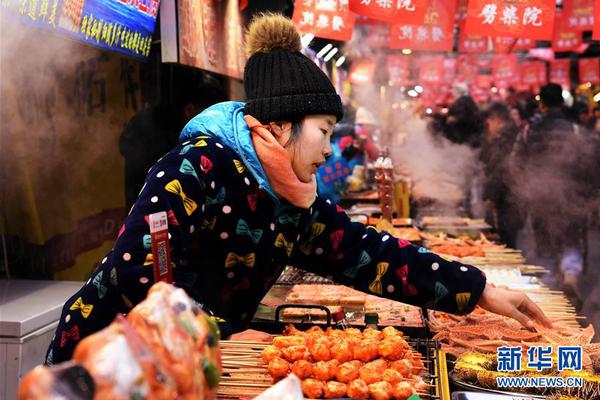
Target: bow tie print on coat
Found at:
x=243, y=229
x=72, y=333
x=376, y=286
x=252, y=199
x=186, y=168
x=281, y=242
x=218, y=200
x=407, y=288
x=86, y=309
x=286, y=219
x=336, y=239
x=98, y=283
x=364, y=259
x=315, y=230
x=239, y=166
x=233, y=259
x=205, y=164
x=462, y=300
x=175, y=187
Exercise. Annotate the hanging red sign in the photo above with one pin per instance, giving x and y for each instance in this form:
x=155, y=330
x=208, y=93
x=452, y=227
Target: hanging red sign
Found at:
x=435, y=34
x=560, y=72
x=461, y=11
x=450, y=69
x=532, y=19
x=596, y=32
x=579, y=14
x=504, y=69
x=329, y=19
x=396, y=11
x=378, y=34
x=589, y=70
x=466, y=67
x=362, y=72
x=398, y=70
x=546, y=54
x=532, y=74
x=471, y=43
x=431, y=69
x=505, y=45
x=565, y=38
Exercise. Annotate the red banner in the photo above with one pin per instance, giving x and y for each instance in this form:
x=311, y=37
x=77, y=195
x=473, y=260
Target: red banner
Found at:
x=565, y=38
x=398, y=70
x=504, y=69
x=329, y=19
x=362, y=71
x=435, y=34
x=396, y=11
x=532, y=74
x=560, y=72
x=545, y=54
x=461, y=11
x=450, y=65
x=466, y=67
x=378, y=34
x=431, y=69
x=505, y=45
x=589, y=70
x=532, y=19
x=579, y=14
x=596, y=33
x=471, y=43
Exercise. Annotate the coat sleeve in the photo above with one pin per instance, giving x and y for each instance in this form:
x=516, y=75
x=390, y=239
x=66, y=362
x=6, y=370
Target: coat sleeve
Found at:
x=380, y=264
x=176, y=184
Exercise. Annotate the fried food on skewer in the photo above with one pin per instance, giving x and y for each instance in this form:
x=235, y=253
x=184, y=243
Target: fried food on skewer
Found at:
x=348, y=371
x=278, y=368
x=319, y=349
x=380, y=390
x=343, y=350
x=367, y=350
x=269, y=353
x=358, y=389
x=313, y=388
x=402, y=390
x=373, y=371
x=303, y=369
x=393, y=348
x=325, y=370
x=334, y=390
x=392, y=376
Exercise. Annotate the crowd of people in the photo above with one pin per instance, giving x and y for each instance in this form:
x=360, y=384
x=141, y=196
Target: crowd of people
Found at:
x=541, y=166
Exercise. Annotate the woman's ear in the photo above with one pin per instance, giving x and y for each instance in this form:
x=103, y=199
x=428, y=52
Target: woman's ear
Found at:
x=282, y=131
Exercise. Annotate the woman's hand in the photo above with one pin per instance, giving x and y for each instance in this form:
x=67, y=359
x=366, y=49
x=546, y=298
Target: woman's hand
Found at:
x=251, y=335
x=514, y=305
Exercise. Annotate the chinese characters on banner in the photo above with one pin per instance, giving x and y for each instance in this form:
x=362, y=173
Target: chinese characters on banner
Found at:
x=471, y=43
x=532, y=19
x=362, y=71
x=560, y=72
x=436, y=33
x=565, y=37
x=398, y=70
x=122, y=25
x=579, y=14
x=395, y=11
x=329, y=19
x=431, y=69
x=466, y=66
x=589, y=70
x=504, y=45
x=504, y=69
x=378, y=34
x=450, y=69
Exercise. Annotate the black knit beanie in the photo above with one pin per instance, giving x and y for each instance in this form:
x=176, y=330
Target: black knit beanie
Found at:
x=281, y=83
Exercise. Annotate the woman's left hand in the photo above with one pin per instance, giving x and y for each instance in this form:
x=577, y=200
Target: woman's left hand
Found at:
x=514, y=305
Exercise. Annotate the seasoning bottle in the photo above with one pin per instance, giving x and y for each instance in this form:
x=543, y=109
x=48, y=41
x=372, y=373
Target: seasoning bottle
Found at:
x=371, y=320
x=340, y=320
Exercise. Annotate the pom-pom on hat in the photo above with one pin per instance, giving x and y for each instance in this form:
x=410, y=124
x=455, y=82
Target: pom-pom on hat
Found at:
x=281, y=83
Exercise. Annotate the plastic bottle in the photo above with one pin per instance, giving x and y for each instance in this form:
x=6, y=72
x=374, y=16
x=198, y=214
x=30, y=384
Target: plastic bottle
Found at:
x=340, y=320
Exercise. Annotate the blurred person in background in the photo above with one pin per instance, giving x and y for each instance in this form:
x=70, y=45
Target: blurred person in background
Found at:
x=551, y=164
x=464, y=122
x=154, y=131
x=502, y=209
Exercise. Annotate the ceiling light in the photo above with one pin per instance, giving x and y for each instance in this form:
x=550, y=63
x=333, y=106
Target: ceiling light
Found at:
x=324, y=50
x=330, y=54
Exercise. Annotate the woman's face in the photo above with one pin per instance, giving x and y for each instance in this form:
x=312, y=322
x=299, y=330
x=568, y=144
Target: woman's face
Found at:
x=311, y=147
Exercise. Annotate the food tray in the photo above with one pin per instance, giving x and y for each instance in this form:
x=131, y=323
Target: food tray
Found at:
x=248, y=378
x=295, y=276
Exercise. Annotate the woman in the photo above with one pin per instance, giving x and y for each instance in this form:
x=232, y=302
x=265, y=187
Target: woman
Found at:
x=242, y=204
